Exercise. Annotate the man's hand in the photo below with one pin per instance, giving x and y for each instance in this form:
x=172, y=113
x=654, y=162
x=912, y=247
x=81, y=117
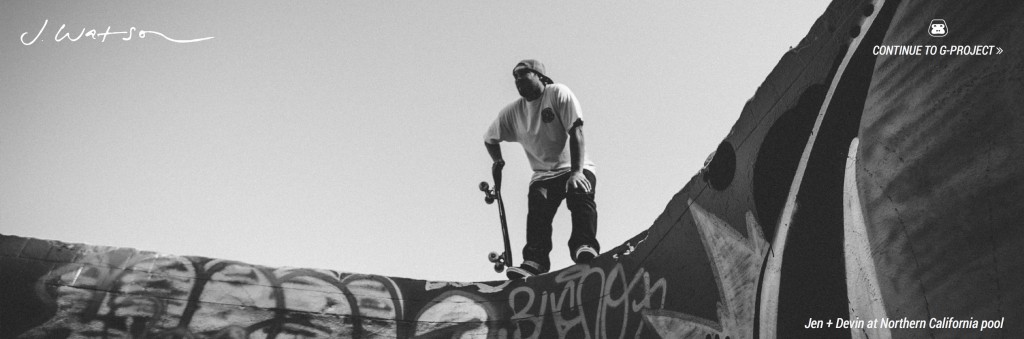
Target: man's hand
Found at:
x=578, y=182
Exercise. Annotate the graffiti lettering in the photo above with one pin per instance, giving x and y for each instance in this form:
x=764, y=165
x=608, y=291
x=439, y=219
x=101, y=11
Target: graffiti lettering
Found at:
x=122, y=293
x=620, y=301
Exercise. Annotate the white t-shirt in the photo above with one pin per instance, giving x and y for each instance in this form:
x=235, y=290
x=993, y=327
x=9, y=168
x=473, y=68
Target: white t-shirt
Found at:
x=542, y=127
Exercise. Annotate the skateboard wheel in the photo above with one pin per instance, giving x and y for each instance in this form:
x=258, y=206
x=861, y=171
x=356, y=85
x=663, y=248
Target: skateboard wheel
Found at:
x=484, y=186
x=493, y=257
x=498, y=267
x=489, y=200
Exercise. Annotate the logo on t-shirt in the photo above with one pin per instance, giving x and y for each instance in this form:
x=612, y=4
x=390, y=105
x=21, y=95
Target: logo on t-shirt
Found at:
x=547, y=115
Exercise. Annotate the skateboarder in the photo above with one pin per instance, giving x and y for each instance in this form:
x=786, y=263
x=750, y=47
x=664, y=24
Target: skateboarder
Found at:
x=548, y=122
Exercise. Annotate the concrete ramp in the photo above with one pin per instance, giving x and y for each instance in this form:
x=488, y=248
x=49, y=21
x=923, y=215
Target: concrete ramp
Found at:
x=880, y=190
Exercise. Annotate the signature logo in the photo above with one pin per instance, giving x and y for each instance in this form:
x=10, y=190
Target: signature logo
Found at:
x=93, y=34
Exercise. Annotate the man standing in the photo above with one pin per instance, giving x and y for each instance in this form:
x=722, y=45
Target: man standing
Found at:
x=548, y=122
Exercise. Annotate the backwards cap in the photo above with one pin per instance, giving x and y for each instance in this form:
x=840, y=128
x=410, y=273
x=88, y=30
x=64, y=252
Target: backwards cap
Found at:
x=536, y=67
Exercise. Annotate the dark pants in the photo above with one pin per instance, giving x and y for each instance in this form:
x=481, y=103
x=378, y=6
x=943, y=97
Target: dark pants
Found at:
x=544, y=198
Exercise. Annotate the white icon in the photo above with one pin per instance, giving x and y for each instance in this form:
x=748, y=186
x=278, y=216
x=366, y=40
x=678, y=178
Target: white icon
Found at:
x=938, y=28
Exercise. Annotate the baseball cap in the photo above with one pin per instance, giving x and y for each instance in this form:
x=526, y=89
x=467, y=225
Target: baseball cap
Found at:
x=537, y=67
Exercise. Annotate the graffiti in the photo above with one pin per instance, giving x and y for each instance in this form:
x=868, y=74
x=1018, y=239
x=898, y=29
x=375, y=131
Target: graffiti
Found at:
x=736, y=264
x=122, y=293
x=630, y=248
x=481, y=287
x=619, y=302
x=457, y=314
x=866, y=299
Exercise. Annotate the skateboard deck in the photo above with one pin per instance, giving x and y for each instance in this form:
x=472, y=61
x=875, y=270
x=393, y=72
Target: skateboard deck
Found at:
x=503, y=260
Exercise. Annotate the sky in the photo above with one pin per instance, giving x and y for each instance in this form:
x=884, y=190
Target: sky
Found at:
x=348, y=135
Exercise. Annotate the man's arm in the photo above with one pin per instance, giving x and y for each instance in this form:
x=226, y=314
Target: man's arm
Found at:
x=495, y=151
x=577, y=150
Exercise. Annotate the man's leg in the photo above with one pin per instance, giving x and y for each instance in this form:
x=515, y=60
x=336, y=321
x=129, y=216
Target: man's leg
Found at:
x=544, y=199
x=583, y=241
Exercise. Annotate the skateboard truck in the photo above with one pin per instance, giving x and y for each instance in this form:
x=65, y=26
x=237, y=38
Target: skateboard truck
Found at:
x=489, y=195
x=504, y=259
x=498, y=260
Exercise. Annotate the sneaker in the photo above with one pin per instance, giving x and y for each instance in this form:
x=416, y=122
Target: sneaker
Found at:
x=584, y=254
x=526, y=270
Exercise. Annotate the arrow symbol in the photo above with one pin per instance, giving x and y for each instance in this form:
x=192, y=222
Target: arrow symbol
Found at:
x=999, y=50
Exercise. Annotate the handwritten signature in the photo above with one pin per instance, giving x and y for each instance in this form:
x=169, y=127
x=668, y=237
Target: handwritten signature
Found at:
x=61, y=35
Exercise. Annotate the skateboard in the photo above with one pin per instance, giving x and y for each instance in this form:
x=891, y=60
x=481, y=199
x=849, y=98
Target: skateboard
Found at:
x=503, y=260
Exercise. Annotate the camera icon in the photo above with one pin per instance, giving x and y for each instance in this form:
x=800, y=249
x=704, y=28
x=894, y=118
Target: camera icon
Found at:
x=937, y=28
